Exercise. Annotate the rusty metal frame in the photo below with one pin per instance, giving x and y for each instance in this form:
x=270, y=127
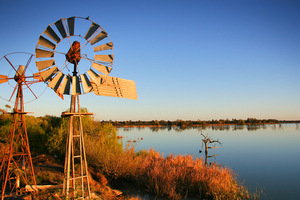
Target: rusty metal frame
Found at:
x=17, y=164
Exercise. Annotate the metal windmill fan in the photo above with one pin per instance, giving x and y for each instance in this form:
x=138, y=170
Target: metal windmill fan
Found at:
x=10, y=65
x=16, y=166
x=79, y=61
x=69, y=59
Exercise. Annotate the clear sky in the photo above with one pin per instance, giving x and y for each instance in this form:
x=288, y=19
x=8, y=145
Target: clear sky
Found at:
x=193, y=59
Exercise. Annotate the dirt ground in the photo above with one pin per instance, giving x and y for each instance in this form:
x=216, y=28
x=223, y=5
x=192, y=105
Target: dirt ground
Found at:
x=49, y=171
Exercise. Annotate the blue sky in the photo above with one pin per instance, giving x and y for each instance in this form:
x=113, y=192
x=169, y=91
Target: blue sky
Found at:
x=190, y=59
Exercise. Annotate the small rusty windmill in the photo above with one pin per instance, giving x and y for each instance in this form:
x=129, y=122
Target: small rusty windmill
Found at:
x=69, y=59
x=16, y=165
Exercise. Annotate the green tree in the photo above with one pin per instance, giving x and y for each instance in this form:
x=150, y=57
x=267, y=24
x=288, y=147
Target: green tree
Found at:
x=37, y=135
x=5, y=123
x=240, y=122
x=105, y=150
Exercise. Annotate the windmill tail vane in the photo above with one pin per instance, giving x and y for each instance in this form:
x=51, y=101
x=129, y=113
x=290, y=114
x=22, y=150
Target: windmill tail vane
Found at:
x=90, y=52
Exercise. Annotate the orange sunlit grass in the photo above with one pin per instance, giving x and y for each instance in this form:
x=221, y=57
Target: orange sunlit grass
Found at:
x=172, y=177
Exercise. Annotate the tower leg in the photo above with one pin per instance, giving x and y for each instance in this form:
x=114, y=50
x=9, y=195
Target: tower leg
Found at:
x=76, y=182
x=16, y=166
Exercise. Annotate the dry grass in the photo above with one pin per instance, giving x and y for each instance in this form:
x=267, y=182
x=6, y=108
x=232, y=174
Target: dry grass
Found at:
x=180, y=176
x=173, y=177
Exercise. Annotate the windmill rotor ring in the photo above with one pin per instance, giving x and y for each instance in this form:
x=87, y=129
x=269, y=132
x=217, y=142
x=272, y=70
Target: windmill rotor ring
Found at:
x=68, y=49
x=17, y=69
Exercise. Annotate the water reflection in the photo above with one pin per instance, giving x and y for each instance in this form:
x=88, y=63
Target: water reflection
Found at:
x=238, y=127
x=258, y=154
x=254, y=127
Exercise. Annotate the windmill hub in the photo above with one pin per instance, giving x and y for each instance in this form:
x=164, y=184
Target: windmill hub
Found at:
x=20, y=74
x=73, y=55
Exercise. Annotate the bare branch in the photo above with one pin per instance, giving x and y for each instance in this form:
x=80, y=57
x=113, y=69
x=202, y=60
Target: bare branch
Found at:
x=207, y=139
x=216, y=141
x=213, y=156
x=213, y=147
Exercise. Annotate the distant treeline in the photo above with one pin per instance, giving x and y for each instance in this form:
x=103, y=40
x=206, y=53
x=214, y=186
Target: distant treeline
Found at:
x=186, y=123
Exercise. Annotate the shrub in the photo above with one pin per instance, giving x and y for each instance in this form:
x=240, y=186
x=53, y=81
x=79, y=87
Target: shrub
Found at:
x=176, y=177
x=173, y=177
x=105, y=151
x=5, y=123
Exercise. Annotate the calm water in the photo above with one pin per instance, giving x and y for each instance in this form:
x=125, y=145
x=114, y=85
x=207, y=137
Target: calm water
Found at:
x=264, y=157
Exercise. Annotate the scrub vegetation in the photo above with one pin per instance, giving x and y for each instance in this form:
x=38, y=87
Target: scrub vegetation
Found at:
x=171, y=177
x=203, y=123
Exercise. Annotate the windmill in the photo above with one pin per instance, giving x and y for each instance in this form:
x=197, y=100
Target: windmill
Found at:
x=16, y=165
x=75, y=56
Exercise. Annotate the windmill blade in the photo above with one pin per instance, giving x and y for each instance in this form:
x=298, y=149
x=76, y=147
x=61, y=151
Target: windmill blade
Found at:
x=71, y=22
x=28, y=62
x=98, y=37
x=86, y=84
x=37, y=76
x=39, y=53
x=20, y=71
x=46, y=43
x=51, y=34
x=59, y=25
x=65, y=86
x=58, y=92
x=41, y=65
x=91, y=30
x=107, y=46
x=94, y=76
x=55, y=82
x=16, y=86
x=75, y=86
x=116, y=87
x=101, y=68
x=47, y=74
x=3, y=79
x=105, y=58
x=10, y=63
x=30, y=89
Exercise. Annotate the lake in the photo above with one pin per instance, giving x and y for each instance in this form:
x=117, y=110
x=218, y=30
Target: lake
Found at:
x=264, y=157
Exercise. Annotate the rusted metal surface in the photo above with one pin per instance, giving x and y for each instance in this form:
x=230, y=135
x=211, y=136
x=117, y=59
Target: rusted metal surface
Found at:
x=16, y=166
x=73, y=56
x=16, y=169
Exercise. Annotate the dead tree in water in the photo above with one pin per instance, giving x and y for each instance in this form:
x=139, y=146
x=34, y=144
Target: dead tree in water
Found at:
x=207, y=140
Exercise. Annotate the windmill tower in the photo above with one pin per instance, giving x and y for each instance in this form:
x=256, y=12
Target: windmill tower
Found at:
x=16, y=165
x=74, y=56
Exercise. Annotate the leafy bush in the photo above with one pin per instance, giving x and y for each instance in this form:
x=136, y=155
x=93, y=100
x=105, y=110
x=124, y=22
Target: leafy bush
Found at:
x=5, y=123
x=104, y=150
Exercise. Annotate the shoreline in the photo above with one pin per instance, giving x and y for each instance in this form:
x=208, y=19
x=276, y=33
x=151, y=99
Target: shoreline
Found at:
x=198, y=125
